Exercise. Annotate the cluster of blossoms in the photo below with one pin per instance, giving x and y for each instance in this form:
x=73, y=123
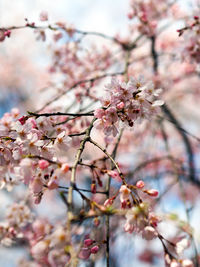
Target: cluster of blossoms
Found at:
x=125, y=193
x=90, y=247
x=18, y=217
x=127, y=102
x=67, y=58
x=191, y=40
x=4, y=34
x=27, y=151
x=49, y=244
x=180, y=246
x=139, y=219
x=178, y=263
x=148, y=13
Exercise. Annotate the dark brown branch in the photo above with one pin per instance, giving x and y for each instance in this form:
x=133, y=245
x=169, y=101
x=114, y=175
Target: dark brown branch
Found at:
x=81, y=189
x=37, y=115
x=169, y=114
x=186, y=141
x=78, y=83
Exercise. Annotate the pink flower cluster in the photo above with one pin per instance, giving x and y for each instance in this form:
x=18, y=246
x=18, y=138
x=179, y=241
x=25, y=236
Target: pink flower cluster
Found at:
x=126, y=103
x=192, y=41
x=140, y=220
x=18, y=217
x=66, y=59
x=179, y=263
x=88, y=249
x=148, y=13
x=4, y=34
x=26, y=152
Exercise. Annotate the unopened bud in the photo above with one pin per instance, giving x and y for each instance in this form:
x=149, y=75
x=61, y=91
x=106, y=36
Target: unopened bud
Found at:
x=88, y=242
x=152, y=192
x=140, y=184
x=94, y=249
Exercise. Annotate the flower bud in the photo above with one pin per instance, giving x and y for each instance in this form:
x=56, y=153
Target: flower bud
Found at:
x=43, y=164
x=152, y=192
x=7, y=33
x=115, y=175
x=94, y=249
x=120, y=105
x=88, y=242
x=22, y=120
x=140, y=184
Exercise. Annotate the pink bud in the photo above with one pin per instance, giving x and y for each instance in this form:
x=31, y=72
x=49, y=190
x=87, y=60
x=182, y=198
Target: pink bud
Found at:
x=22, y=120
x=84, y=253
x=114, y=174
x=94, y=249
x=152, y=192
x=43, y=164
x=7, y=33
x=88, y=242
x=140, y=184
x=120, y=105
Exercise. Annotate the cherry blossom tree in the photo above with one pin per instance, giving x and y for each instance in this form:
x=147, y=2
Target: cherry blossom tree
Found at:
x=112, y=146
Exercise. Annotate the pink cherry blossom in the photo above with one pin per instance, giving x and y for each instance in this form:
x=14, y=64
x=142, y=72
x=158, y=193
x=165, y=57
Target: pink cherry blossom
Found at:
x=43, y=164
x=149, y=233
x=124, y=193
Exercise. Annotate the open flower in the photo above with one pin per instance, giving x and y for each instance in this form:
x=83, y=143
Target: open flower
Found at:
x=62, y=142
